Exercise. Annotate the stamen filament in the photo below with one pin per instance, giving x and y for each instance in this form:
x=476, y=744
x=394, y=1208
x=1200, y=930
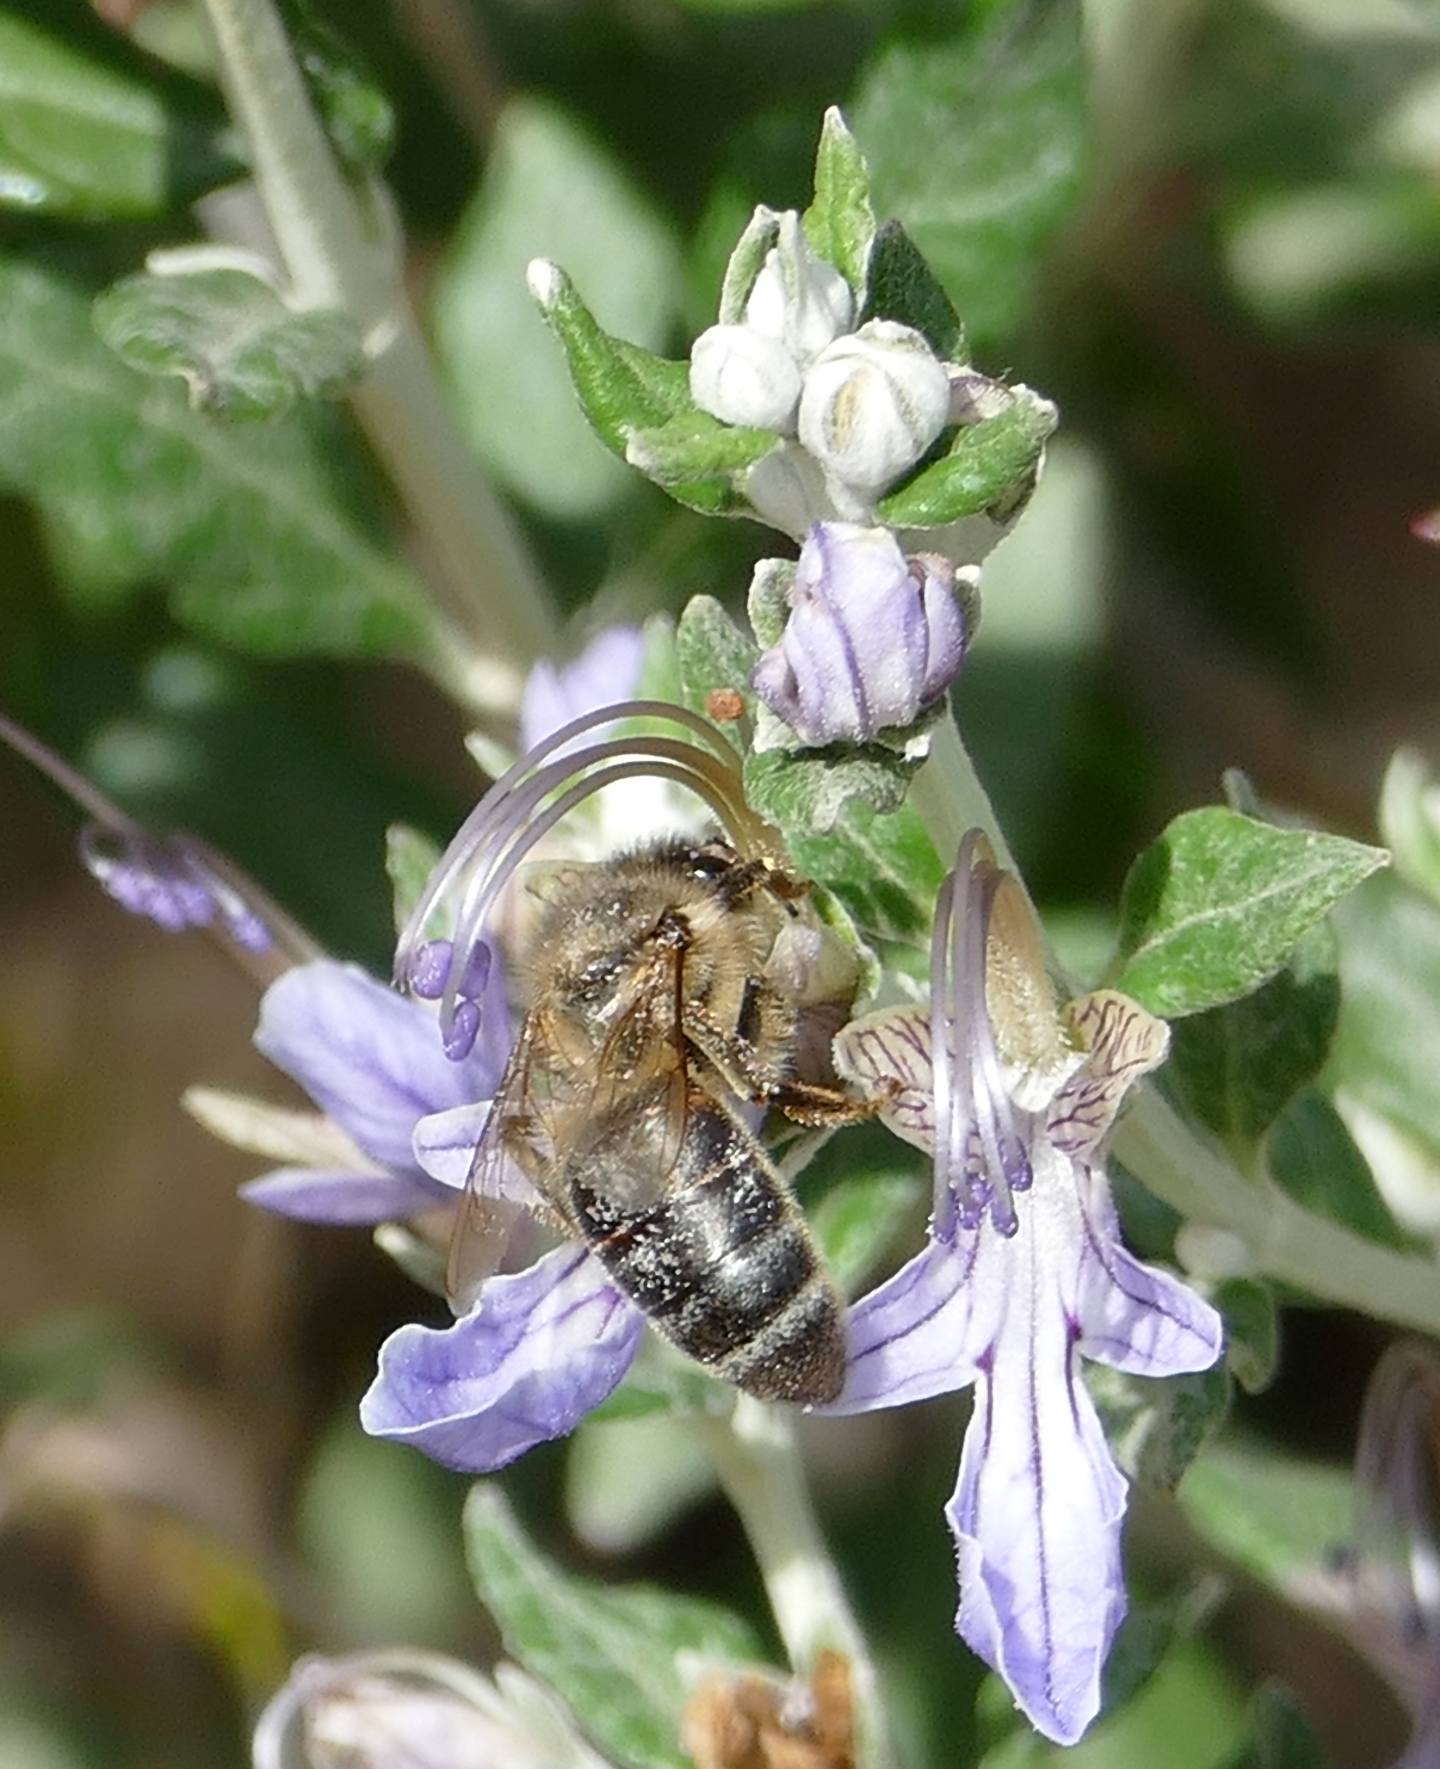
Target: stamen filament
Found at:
x=512, y=817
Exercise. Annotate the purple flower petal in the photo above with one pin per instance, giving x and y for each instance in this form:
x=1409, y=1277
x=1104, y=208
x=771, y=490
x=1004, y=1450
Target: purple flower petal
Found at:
x=445, y=1145
x=607, y=670
x=1036, y=1517
x=1133, y=1316
x=539, y=1351
x=309, y=1194
x=924, y=1331
x=368, y=1057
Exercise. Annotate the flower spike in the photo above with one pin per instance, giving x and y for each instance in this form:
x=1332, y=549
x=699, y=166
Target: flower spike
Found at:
x=172, y=878
x=521, y=808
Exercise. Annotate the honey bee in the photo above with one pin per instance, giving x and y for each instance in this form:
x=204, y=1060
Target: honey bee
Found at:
x=662, y=998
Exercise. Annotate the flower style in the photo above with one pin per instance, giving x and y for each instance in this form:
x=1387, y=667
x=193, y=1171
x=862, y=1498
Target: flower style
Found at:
x=1024, y=1270
x=872, y=640
x=540, y=1347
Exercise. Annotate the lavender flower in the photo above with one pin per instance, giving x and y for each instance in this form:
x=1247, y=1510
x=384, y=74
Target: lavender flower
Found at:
x=539, y=1348
x=1024, y=1270
x=414, y=1710
x=607, y=670
x=872, y=638
x=173, y=879
x=371, y=1061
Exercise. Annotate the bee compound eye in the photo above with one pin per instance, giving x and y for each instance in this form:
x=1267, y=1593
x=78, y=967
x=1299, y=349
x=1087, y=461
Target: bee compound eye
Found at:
x=713, y=861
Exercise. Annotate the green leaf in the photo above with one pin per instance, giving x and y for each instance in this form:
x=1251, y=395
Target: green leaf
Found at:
x=1386, y=1053
x=626, y=1481
x=806, y=792
x=1276, y=1516
x=840, y=223
x=1313, y=1157
x=610, y=1652
x=1252, y=1332
x=903, y=287
x=1238, y=1066
x=1410, y=820
x=694, y=446
x=358, y=117
x=990, y=465
x=1283, y=1737
x=92, y=138
x=857, y=1220
x=1158, y=1427
x=745, y=263
x=1216, y=905
x=550, y=190
x=883, y=869
x=261, y=537
x=713, y=655
x=239, y=349
x=410, y=858
x=976, y=138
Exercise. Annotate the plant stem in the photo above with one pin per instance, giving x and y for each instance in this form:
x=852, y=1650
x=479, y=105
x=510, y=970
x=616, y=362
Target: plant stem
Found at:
x=1178, y=1162
x=759, y=1465
x=494, y=614
x=950, y=799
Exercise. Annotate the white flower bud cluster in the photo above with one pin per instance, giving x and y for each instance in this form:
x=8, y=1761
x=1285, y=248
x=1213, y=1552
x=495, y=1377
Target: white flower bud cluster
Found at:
x=863, y=405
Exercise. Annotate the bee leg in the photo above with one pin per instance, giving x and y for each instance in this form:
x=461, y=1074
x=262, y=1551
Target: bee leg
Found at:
x=746, y=1073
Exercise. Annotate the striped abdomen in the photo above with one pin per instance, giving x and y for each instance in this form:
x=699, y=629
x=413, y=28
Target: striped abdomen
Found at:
x=723, y=1264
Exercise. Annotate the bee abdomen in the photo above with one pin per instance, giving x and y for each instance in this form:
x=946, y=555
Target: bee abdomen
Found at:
x=727, y=1270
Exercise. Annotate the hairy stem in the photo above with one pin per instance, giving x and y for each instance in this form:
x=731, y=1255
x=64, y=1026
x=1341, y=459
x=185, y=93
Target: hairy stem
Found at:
x=759, y=1465
x=1183, y=1166
x=494, y=616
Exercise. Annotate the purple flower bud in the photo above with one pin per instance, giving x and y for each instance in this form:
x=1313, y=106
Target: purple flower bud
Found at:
x=872, y=638
x=171, y=880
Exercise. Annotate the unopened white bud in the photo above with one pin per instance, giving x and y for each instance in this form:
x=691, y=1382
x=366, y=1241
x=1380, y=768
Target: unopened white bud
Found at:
x=742, y=377
x=873, y=403
x=797, y=297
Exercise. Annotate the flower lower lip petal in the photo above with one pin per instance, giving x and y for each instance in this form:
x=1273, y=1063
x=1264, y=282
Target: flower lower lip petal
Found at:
x=542, y=1348
x=309, y=1194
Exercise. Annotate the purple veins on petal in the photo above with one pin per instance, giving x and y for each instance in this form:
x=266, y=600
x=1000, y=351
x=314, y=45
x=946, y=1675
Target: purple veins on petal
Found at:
x=1036, y=1517
x=541, y=1349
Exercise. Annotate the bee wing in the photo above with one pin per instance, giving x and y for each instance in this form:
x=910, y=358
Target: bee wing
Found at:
x=640, y=1092
x=492, y=1203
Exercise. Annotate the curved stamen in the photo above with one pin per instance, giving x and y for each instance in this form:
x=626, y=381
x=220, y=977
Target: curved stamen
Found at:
x=514, y=815
x=981, y=1156
x=1397, y=1469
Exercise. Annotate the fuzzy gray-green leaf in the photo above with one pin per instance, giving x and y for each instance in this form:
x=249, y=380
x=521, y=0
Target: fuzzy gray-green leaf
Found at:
x=990, y=464
x=610, y=1652
x=713, y=655
x=241, y=352
x=1215, y=907
x=806, y=791
x=840, y=223
x=1239, y=1065
x=263, y=538
x=976, y=137
x=903, y=287
x=90, y=138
